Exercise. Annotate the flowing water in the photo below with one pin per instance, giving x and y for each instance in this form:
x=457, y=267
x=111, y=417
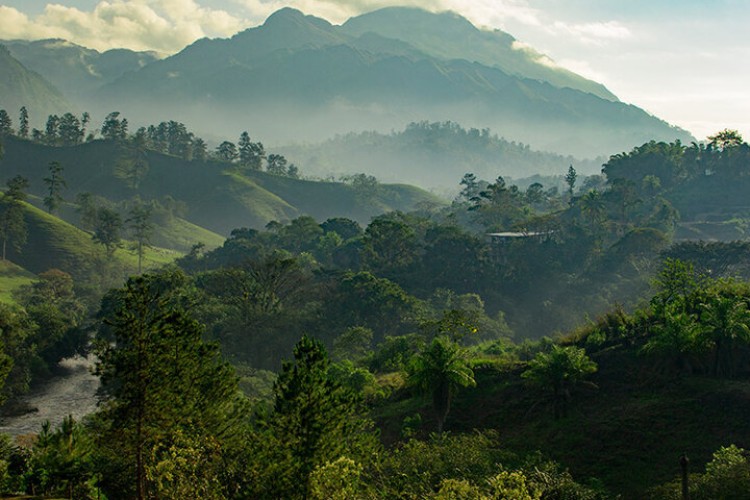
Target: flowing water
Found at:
x=71, y=393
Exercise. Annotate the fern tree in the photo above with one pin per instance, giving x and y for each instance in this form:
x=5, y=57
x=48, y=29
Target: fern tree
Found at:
x=440, y=370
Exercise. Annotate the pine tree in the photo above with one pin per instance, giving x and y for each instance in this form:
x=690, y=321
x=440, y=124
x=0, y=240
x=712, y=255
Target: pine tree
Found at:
x=314, y=420
x=55, y=184
x=166, y=386
x=23, y=123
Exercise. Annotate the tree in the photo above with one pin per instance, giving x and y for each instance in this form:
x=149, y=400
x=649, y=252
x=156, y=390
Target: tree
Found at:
x=50, y=130
x=560, y=369
x=314, y=421
x=727, y=323
x=86, y=210
x=107, y=229
x=12, y=222
x=113, y=128
x=277, y=165
x=23, y=123
x=251, y=154
x=726, y=139
x=440, y=371
x=141, y=228
x=570, y=180
x=199, y=149
x=55, y=184
x=226, y=151
x=6, y=125
x=69, y=130
x=166, y=387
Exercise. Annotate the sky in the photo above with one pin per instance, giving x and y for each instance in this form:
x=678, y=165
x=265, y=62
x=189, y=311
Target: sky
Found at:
x=685, y=61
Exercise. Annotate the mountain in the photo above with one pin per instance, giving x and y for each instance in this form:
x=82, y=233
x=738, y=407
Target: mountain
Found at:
x=450, y=36
x=300, y=78
x=75, y=70
x=216, y=196
x=20, y=86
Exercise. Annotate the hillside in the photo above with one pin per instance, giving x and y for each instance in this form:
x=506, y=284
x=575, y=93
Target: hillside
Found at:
x=217, y=197
x=433, y=155
x=20, y=86
x=299, y=78
x=12, y=277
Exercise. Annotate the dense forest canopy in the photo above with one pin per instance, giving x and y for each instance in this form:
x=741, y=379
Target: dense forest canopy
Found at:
x=408, y=356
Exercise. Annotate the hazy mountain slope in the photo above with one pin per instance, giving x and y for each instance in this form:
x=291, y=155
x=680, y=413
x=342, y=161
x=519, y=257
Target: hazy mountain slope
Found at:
x=21, y=87
x=75, y=70
x=217, y=198
x=431, y=155
x=300, y=78
x=450, y=36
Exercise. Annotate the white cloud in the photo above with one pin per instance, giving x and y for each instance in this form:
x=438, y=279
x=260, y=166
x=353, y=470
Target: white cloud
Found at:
x=597, y=33
x=161, y=25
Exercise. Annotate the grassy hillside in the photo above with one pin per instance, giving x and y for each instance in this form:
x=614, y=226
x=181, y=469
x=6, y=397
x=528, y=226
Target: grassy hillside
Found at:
x=218, y=197
x=54, y=243
x=12, y=277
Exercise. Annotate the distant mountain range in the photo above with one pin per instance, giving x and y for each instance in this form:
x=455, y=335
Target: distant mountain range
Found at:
x=298, y=78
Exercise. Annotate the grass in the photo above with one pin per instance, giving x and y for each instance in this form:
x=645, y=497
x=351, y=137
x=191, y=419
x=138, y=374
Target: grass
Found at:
x=12, y=277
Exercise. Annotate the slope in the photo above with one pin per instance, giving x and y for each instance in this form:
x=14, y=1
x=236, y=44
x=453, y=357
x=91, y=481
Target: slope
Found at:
x=22, y=87
x=217, y=197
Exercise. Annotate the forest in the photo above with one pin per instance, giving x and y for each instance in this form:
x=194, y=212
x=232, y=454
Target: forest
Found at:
x=524, y=343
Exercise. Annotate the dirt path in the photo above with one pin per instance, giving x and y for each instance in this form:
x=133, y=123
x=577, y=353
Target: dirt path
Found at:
x=73, y=393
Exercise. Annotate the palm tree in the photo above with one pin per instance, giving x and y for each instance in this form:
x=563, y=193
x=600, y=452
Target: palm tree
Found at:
x=727, y=321
x=439, y=371
x=675, y=340
x=560, y=369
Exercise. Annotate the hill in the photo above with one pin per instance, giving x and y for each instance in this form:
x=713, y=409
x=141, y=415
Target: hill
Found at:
x=299, y=78
x=20, y=86
x=75, y=70
x=12, y=277
x=215, y=196
x=432, y=155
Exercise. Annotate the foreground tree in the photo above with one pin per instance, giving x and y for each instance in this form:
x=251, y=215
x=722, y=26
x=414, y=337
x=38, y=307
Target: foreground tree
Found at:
x=314, y=421
x=440, y=371
x=169, y=392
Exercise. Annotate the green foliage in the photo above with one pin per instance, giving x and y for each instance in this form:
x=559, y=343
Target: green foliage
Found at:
x=167, y=388
x=314, y=421
x=61, y=461
x=107, y=229
x=440, y=370
x=560, y=369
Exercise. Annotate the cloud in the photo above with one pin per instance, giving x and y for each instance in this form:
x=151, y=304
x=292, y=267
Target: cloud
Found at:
x=494, y=13
x=162, y=25
x=596, y=33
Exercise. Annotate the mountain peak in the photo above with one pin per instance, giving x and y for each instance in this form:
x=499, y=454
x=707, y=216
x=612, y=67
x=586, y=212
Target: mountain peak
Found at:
x=293, y=17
